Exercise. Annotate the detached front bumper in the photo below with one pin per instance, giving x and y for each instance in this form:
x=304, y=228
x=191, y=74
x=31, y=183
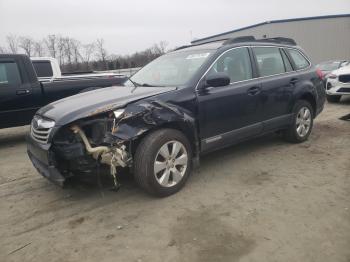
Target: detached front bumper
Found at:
x=42, y=160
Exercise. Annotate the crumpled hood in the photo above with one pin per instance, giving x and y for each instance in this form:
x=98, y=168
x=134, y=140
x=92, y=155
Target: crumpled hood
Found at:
x=342, y=71
x=90, y=103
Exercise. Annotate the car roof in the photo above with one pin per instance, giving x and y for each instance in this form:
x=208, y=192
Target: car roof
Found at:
x=12, y=55
x=240, y=41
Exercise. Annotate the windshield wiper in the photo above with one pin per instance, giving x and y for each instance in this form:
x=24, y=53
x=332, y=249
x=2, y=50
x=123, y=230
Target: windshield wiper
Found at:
x=134, y=83
x=148, y=85
x=144, y=84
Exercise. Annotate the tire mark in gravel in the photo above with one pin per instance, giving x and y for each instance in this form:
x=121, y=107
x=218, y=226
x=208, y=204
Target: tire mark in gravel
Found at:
x=29, y=190
x=58, y=218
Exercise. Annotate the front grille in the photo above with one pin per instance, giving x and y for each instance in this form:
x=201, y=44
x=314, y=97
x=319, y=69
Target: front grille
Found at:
x=344, y=90
x=344, y=78
x=41, y=134
x=40, y=129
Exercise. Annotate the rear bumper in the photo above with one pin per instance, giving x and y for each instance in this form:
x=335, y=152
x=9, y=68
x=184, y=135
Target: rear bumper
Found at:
x=42, y=160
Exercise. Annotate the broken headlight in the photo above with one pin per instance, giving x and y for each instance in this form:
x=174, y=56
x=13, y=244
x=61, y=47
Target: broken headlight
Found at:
x=117, y=113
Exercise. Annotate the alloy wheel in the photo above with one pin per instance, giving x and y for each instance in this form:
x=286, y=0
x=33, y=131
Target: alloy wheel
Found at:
x=170, y=163
x=303, y=121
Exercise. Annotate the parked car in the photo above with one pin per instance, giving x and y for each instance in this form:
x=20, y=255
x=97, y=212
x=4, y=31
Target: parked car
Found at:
x=329, y=66
x=338, y=84
x=184, y=104
x=48, y=69
x=22, y=94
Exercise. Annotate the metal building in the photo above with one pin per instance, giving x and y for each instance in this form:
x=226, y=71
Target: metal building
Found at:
x=322, y=37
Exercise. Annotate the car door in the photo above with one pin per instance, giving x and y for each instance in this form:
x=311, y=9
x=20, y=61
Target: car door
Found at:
x=230, y=113
x=277, y=77
x=16, y=105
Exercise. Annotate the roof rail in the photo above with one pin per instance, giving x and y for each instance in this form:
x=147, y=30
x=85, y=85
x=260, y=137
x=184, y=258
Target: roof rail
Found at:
x=239, y=39
x=279, y=40
x=249, y=38
x=206, y=42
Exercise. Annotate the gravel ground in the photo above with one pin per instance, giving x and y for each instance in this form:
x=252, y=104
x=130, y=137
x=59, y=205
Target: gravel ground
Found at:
x=263, y=200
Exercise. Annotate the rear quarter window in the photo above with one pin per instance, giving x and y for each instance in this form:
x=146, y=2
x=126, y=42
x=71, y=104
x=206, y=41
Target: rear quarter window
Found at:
x=299, y=60
x=9, y=74
x=43, y=68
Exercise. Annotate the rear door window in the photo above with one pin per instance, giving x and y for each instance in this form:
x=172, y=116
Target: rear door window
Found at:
x=269, y=60
x=299, y=60
x=9, y=73
x=43, y=68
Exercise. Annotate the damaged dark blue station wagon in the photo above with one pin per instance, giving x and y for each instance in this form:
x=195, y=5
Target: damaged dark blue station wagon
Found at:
x=191, y=101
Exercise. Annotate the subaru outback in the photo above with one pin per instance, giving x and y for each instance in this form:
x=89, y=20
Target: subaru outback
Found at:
x=184, y=104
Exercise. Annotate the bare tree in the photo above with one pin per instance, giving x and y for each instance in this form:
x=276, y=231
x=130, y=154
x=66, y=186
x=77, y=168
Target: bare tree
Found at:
x=39, y=48
x=76, y=45
x=51, y=44
x=74, y=55
x=101, y=52
x=12, y=42
x=2, y=50
x=61, y=49
x=86, y=54
x=67, y=49
x=27, y=44
x=162, y=46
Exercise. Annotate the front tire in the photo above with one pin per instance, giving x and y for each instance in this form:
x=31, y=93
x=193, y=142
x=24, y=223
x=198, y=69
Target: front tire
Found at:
x=333, y=98
x=302, y=123
x=163, y=162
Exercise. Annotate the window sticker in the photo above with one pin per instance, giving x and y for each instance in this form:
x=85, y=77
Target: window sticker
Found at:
x=197, y=56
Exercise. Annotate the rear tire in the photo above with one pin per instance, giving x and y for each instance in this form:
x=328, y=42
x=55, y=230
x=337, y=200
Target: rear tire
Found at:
x=333, y=98
x=302, y=123
x=163, y=162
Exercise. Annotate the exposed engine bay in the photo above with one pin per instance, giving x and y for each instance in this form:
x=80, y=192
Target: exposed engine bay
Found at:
x=110, y=138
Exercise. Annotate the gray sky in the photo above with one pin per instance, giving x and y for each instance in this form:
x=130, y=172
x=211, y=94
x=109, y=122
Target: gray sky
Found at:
x=133, y=25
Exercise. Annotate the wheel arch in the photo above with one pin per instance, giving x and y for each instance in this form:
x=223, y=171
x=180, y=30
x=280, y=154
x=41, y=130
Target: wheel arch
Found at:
x=145, y=117
x=309, y=97
x=187, y=129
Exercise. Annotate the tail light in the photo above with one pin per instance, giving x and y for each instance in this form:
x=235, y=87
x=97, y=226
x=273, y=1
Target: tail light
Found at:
x=320, y=73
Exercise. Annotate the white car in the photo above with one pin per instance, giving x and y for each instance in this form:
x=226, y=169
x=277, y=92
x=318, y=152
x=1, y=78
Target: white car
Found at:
x=48, y=70
x=338, y=84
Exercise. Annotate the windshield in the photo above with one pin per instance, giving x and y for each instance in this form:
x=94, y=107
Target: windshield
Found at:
x=329, y=66
x=173, y=69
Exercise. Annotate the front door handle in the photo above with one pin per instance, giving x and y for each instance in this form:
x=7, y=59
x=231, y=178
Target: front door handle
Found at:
x=293, y=81
x=254, y=90
x=22, y=92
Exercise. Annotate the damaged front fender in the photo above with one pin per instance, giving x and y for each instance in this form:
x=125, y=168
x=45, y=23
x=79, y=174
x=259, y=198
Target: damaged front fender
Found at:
x=139, y=118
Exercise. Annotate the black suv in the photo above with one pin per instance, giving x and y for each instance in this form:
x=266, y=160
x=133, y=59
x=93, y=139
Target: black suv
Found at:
x=191, y=101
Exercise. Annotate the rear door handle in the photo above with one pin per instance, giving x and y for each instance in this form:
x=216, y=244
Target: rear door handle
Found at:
x=22, y=92
x=254, y=90
x=293, y=81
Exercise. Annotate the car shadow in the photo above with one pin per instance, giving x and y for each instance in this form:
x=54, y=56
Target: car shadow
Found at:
x=242, y=149
x=93, y=186
x=345, y=100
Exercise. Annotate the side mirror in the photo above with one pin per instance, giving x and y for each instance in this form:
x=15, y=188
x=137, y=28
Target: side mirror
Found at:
x=217, y=79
